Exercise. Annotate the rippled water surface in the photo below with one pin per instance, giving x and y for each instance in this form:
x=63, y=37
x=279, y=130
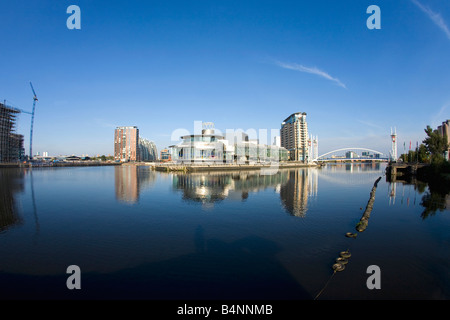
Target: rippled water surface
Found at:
x=140, y=234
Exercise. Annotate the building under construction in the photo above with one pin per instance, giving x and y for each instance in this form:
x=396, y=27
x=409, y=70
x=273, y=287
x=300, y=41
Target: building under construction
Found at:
x=11, y=143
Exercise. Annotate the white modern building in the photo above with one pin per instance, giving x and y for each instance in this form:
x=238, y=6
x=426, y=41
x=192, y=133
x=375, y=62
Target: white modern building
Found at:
x=216, y=148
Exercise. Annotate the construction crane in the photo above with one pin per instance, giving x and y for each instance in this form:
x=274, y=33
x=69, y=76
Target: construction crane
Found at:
x=32, y=121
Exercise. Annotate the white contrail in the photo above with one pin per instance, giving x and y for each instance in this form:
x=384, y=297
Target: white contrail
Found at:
x=313, y=70
x=435, y=17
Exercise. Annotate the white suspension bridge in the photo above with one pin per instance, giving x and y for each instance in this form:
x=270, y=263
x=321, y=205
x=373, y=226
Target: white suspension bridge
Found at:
x=352, y=155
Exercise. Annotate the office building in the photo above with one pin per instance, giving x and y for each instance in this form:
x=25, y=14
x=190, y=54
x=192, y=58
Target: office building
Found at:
x=294, y=136
x=126, y=144
x=165, y=155
x=351, y=155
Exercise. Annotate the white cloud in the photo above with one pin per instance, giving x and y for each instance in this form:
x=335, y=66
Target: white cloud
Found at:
x=435, y=17
x=312, y=70
x=440, y=116
x=371, y=124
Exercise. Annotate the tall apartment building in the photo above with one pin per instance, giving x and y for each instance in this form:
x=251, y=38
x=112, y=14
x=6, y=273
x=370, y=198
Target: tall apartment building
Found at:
x=294, y=136
x=126, y=144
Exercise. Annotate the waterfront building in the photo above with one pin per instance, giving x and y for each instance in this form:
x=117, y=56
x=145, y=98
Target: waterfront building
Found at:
x=215, y=148
x=147, y=150
x=351, y=155
x=205, y=147
x=165, y=155
x=126, y=144
x=11, y=143
x=445, y=132
x=294, y=136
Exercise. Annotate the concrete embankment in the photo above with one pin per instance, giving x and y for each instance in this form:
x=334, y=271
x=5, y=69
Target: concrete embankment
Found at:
x=394, y=170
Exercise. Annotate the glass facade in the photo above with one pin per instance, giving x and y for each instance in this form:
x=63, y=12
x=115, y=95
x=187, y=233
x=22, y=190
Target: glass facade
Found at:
x=212, y=148
x=147, y=150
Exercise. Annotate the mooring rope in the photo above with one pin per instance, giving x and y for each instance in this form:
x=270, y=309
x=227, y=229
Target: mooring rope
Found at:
x=329, y=279
x=369, y=207
x=326, y=284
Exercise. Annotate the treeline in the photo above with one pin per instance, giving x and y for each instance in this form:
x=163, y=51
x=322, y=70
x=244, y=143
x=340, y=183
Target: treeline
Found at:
x=103, y=158
x=432, y=151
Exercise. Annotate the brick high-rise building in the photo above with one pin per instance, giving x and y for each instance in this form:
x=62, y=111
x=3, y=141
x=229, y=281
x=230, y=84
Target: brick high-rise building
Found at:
x=126, y=144
x=294, y=136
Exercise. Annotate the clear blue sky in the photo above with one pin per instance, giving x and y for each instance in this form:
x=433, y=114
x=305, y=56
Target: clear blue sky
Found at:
x=161, y=65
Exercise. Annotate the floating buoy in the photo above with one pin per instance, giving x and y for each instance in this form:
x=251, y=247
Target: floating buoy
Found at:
x=345, y=254
x=351, y=235
x=341, y=260
x=338, y=267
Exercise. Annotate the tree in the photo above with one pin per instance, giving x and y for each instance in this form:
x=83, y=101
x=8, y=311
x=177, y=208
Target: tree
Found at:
x=435, y=144
x=421, y=155
x=424, y=155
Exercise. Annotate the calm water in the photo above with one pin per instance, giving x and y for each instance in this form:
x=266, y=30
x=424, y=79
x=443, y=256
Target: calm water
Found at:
x=140, y=234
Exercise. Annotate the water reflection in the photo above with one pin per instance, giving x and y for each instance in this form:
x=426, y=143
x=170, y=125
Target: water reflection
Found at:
x=432, y=197
x=11, y=182
x=130, y=180
x=294, y=186
x=212, y=187
x=301, y=185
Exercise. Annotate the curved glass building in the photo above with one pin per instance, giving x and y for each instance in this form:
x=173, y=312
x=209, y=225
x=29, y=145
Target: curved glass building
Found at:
x=147, y=150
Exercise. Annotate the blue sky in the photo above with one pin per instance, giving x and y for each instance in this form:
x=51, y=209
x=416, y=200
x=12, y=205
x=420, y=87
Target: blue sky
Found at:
x=161, y=65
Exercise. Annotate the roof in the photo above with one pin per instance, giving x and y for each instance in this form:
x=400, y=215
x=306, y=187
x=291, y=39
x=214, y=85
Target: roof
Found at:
x=302, y=113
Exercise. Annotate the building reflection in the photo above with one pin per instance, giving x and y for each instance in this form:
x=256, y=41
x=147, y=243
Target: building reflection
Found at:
x=211, y=187
x=130, y=180
x=301, y=185
x=11, y=182
x=294, y=186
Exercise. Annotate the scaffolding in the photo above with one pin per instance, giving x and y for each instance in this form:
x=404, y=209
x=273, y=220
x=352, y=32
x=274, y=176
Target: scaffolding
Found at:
x=11, y=143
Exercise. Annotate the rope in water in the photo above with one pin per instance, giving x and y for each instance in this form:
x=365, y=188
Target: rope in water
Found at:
x=345, y=255
x=339, y=266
